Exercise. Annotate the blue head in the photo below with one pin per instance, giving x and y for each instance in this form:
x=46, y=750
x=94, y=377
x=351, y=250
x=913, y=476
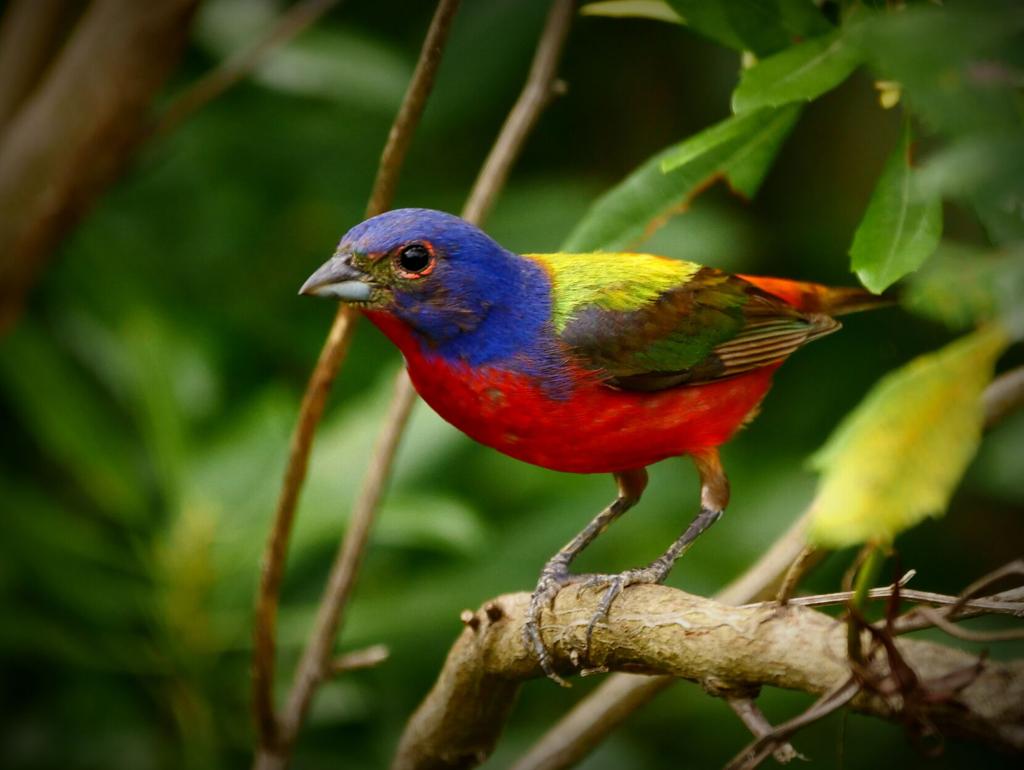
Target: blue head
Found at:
x=458, y=290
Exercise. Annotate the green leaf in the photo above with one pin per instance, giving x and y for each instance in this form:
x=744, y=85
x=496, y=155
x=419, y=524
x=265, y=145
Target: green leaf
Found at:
x=963, y=286
x=900, y=228
x=993, y=160
x=431, y=521
x=71, y=421
x=710, y=138
x=959, y=65
x=800, y=73
x=984, y=170
x=761, y=26
x=900, y=455
x=658, y=10
x=741, y=152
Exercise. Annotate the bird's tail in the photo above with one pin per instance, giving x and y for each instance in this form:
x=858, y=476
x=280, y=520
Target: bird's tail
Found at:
x=818, y=298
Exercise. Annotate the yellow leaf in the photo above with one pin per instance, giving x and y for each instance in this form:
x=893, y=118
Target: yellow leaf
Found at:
x=899, y=455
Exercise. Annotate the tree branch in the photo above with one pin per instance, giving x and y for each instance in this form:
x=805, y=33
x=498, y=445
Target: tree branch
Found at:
x=751, y=716
x=314, y=666
x=661, y=630
x=536, y=93
x=583, y=728
x=1004, y=396
x=79, y=127
x=29, y=34
x=274, y=743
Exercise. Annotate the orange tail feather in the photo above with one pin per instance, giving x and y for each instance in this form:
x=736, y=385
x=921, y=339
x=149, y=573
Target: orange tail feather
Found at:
x=818, y=298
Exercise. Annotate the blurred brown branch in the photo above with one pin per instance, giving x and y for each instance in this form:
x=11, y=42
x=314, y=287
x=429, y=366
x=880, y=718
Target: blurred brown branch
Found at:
x=596, y=715
x=30, y=32
x=661, y=630
x=276, y=734
x=73, y=133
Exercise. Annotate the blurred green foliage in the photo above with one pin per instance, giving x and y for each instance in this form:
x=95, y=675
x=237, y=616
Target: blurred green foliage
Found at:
x=149, y=391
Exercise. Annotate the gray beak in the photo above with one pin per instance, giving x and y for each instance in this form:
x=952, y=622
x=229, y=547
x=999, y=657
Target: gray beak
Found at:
x=337, y=278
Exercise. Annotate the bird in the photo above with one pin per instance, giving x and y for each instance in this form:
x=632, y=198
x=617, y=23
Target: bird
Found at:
x=600, y=362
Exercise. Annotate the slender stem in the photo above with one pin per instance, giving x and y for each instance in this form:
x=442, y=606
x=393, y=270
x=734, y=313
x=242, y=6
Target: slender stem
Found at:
x=758, y=751
x=492, y=177
x=272, y=741
x=368, y=657
x=867, y=573
x=754, y=719
x=237, y=67
x=1004, y=603
x=314, y=666
x=1004, y=395
x=805, y=560
x=408, y=117
x=272, y=572
x=538, y=91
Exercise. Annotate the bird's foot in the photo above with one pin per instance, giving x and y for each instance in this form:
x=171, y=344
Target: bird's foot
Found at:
x=553, y=578
x=613, y=585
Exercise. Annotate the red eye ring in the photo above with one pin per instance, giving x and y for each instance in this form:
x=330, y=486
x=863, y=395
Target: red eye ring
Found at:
x=415, y=260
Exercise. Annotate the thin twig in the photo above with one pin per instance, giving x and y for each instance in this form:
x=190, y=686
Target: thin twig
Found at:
x=764, y=577
x=596, y=715
x=987, y=605
x=359, y=659
x=315, y=662
x=804, y=562
x=311, y=670
x=538, y=91
x=967, y=605
x=755, y=720
x=349, y=558
x=1014, y=568
x=492, y=176
x=755, y=753
x=237, y=67
x=1004, y=396
x=274, y=556
x=310, y=412
x=941, y=620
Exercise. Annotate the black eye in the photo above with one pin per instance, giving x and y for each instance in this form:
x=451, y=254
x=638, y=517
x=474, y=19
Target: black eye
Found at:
x=415, y=258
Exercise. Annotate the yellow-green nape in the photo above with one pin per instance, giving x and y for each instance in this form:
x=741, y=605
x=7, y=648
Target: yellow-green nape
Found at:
x=619, y=281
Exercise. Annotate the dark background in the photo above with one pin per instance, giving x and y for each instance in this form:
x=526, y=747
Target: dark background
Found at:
x=148, y=394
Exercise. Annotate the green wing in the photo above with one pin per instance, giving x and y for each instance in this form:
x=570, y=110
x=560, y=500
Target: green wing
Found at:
x=644, y=333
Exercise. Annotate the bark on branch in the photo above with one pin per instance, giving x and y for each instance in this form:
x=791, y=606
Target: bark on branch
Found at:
x=598, y=714
x=661, y=630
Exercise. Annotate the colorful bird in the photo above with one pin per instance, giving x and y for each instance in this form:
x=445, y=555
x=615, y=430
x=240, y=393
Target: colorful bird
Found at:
x=586, y=363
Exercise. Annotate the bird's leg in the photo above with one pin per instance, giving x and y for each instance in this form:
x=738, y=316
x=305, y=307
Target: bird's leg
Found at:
x=556, y=574
x=714, y=496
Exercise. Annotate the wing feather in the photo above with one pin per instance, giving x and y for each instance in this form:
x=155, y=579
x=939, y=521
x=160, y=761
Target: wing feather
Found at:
x=707, y=327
